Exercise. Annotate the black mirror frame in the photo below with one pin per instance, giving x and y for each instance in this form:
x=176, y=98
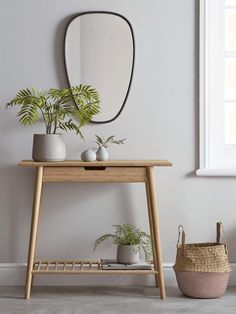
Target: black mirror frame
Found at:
x=132, y=68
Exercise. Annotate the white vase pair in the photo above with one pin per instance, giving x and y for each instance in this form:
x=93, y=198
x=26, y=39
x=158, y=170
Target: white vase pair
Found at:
x=90, y=155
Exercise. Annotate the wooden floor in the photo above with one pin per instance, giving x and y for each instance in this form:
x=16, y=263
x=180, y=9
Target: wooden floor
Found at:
x=110, y=300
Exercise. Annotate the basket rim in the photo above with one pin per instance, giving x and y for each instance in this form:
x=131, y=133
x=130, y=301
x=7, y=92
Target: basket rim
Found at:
x=207, y=272
x=201, y=244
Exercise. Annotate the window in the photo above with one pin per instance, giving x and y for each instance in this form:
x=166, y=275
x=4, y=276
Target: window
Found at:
x=217, y=87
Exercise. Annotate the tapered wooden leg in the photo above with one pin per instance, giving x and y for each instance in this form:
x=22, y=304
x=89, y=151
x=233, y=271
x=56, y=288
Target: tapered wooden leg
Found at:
x=152, y=233
x=32, y=280
x=34, y=228
x=154, y=213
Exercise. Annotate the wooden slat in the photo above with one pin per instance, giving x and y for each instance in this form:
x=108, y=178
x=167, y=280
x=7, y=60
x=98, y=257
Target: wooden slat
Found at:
x=39, y=264
x=99, y=266
x=53, y=261
x=80, y=174
x=108, y=163
x=99, y=272
x=84, y=266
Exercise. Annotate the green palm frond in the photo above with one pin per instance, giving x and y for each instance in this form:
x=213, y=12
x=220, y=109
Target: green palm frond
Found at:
x=28, y=114
x=85, y=112
x=70, y=126
x=56, y=105
x=86, y=92
x=61, y=96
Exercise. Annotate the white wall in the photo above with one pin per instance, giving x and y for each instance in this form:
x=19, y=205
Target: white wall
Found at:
x=160, y=120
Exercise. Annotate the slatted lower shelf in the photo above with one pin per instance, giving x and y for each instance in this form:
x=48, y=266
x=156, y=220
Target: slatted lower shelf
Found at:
x=81, y=267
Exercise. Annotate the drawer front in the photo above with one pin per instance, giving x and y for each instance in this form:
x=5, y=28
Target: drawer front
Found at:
x=94, y=174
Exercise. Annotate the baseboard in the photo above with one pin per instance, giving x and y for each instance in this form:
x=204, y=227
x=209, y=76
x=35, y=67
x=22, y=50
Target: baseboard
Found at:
x=13, y=274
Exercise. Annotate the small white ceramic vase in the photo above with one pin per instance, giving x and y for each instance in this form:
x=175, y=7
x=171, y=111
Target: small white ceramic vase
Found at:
x=128, y=254
x=48, y=147
x=102, y=154
x=88, y=155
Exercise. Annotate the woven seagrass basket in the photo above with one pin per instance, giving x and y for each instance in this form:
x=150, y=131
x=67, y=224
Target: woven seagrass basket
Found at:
x=202, y=269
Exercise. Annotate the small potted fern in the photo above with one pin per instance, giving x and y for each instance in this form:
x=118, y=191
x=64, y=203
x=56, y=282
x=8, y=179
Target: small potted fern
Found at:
x=103, y=143
x=129, y=240
x=56, y=109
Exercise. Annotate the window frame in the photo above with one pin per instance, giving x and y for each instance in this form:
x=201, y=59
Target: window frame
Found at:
x=205, y=169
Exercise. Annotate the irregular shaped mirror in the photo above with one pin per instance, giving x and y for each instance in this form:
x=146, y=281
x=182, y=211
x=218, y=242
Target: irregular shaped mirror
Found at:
x=99, y=51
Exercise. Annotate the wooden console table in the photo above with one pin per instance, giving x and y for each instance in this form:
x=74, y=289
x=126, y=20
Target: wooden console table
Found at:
x=107, y=171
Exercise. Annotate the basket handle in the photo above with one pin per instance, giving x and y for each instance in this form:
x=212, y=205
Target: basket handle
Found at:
x=219, y=227
x=181, y=233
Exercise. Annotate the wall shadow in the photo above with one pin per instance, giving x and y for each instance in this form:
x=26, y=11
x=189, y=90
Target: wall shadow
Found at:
x=230, y=237
x=59, y=60
x=16, y=191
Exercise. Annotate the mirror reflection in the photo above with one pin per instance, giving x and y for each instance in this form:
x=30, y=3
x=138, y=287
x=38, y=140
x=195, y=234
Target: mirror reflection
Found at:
x=99, y=51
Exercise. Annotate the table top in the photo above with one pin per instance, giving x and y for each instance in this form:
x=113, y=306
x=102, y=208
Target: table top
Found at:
x=108, y=163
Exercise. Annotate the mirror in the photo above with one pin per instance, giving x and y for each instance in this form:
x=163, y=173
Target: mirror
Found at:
x=99, y=51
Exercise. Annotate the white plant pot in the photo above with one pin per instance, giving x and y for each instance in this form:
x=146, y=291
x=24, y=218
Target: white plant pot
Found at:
x=48, y=147
x=128, y=254
x=102, y=154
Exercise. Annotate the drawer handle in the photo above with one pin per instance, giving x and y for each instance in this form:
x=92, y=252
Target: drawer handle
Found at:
x=95, y=168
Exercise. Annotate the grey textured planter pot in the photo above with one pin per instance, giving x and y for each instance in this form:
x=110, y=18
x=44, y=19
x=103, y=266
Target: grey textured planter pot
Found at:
x=48, y=147
x=127, y=254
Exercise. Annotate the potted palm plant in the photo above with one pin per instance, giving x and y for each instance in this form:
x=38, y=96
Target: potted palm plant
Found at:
x=129, y=240
x=55, y=108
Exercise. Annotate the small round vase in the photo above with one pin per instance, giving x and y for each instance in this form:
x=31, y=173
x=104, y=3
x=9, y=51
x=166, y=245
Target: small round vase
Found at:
x=102, y=154
x=88, y=155
x=48, y=147
x=128, y=254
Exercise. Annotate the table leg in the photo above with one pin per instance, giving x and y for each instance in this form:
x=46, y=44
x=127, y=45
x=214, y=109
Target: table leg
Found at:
x=152, y=233
x=34, y=228
x=151, y=180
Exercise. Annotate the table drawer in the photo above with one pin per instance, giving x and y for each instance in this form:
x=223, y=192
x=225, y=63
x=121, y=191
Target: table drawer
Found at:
x=94, y=174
